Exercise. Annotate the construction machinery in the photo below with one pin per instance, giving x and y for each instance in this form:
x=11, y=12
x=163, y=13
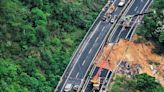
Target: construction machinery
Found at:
x=96, y=79
x=109, y=12
x=110, y=9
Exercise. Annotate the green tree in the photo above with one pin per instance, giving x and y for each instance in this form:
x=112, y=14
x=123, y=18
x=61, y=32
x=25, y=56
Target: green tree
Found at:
x=37, y=39
x=146, y=83
x=153, y=26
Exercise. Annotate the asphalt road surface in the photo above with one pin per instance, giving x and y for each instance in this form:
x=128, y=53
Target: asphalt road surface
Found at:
x=80, y=65
x=139, y=6
x=82, y=61
x=104, y=73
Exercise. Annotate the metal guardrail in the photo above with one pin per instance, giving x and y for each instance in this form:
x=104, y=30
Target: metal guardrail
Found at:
x=78, y=48
x=127, y=47
x=141, y=19
x=85, y=39
x=113, y=26
x=91, y=72
x=103, y=43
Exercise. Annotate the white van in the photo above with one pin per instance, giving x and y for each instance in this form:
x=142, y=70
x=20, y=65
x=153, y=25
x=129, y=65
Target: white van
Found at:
x=121, y=3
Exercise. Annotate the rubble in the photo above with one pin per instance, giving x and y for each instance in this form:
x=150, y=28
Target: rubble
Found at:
x=135, y=59
x=127, y=69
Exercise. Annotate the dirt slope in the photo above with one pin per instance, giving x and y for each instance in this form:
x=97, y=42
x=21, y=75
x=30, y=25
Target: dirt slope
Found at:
x=134, y=54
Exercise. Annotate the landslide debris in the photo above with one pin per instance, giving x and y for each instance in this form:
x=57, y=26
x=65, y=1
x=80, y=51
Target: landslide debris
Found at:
x=135, y=54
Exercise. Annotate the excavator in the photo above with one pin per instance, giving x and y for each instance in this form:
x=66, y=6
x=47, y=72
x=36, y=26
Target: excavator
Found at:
x=96, y=79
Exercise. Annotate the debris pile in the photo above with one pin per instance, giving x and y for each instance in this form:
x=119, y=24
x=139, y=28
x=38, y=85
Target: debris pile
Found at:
x=127, y=69
x=139, y=57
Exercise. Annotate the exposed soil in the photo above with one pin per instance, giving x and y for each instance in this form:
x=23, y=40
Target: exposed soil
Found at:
x=133, y=53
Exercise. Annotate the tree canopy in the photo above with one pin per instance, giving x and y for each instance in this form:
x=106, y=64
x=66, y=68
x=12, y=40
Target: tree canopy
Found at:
x=153, y=27
x=140, y=82
x=37, y=39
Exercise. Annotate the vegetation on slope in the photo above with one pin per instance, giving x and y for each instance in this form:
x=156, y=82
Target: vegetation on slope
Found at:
x=153, y=27
x=37, y=38
x=141, y=82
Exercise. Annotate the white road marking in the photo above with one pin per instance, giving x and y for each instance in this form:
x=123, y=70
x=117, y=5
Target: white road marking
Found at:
x=101, y=44
x=77, y=74
x=137, y=11
x=114, y=30
x=77, y=59
x=140, y=19
x=88, y=79
x=83, y=62
x=72, y=70
x=136, y=8
x=105, y=81
x=90, y=36
x=103, y=28
x=94, y=30
x=128, y=8
x=90, y=50
x=79, y=47
x=85, y=44
x=122, y=29
x=116, y=8
x=137, y=18
x=96, y=39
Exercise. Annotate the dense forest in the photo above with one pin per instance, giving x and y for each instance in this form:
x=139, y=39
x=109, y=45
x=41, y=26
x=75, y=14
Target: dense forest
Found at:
x=153, y=27
x=151, y=30
x=37, y=39
x=141, y=82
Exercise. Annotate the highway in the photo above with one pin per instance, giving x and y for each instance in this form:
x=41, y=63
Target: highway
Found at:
x=85, y=54
x=139, y=6
x=80, y=65
x=105, y=75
